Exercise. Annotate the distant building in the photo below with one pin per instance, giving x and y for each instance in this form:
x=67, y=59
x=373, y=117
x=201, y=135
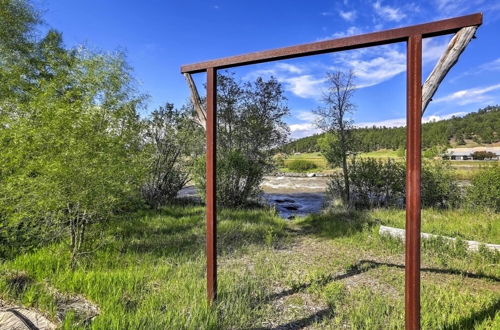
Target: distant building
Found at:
x=466, y=153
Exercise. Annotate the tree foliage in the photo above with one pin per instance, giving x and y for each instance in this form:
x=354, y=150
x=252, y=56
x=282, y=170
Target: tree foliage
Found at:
x=249, y=125
x=70, y=142
x=334, y=119
x=484, y=190
x=172, y=140
x=381, y=183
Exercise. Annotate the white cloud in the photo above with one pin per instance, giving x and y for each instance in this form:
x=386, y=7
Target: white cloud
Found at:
x=373, y=71
x=306, y=116
x=433, y=48
x=400, y=122
x=302, y=130
x=353, y=30
x=468, y=96
x=289, y=68
x=491, y=66
x=305, y=86
x=293, y=79
x=348, y=15
x=388, y=13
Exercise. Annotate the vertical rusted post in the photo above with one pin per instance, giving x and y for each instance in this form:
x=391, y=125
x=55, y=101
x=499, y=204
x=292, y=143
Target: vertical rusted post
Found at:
x=211, y=207
x=413, y=169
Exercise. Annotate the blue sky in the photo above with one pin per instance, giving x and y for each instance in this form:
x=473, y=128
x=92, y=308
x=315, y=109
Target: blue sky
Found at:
x=159, y=36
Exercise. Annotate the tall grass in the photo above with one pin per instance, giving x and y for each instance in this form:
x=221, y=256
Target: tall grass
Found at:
x=148, y=272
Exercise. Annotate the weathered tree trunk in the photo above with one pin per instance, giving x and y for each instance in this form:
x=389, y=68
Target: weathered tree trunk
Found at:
x=456, y=46
x=201, y=114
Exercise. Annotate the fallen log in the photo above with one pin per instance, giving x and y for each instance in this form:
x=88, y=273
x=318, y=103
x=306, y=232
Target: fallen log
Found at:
x=471, y=245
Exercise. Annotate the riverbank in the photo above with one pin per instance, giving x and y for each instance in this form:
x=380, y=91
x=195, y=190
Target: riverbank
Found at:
x=320, y=272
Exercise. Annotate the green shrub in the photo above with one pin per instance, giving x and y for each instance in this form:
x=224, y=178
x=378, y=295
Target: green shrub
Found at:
x=484, y=191
x=301, y=165
x=238, y=178
x=439, y=188
x=381, y=183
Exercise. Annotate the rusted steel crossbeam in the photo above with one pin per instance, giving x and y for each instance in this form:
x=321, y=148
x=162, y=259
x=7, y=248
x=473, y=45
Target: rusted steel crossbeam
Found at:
x=426, y=30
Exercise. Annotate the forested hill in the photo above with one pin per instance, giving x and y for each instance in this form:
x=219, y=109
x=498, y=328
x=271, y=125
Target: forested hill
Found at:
x=481, y=127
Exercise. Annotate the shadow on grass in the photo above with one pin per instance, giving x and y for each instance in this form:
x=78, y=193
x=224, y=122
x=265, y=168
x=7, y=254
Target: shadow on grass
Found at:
x=365, y=265
x=475, y=318
x=180, y=230
x=337, y=223
x=303, y=322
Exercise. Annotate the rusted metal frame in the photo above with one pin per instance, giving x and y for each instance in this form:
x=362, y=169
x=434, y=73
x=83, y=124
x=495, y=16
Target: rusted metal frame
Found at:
x=211, y=204
x=414, y=111
x=426, y=30
x=413, y=177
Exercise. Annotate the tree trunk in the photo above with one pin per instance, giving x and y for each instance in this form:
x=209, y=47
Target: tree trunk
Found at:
x=345, y=170
x=450, y=56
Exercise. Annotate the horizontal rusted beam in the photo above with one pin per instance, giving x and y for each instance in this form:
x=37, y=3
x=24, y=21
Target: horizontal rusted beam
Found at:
x=426, y=30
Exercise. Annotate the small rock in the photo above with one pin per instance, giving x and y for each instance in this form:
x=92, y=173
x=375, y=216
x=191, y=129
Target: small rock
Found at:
x=311, y=175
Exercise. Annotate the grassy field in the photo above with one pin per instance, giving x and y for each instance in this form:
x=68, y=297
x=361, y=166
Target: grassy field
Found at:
x=464, y=170
x=323, y=272
x=313, y=157
x=383, y=154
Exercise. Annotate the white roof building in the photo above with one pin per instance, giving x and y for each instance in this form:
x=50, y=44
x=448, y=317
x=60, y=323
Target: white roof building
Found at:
x=466, y=153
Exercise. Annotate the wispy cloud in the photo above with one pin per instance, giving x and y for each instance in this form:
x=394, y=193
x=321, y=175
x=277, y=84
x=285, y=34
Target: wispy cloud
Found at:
x=289, y=68
x=376, y=66
x=491, y=66
x=294, y=78
x=306, y=116
x=469, y=96
x=305, y=86
x=302, y=130
x=388, y=13
x=353, y=30
x=349, y=16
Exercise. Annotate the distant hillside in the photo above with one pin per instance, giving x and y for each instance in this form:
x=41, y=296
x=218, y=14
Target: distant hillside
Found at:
x=479, y=127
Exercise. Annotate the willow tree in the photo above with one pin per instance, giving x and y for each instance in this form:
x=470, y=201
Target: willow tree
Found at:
x=70, y=144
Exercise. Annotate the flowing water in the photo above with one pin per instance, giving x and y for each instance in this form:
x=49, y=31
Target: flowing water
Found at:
x=291, y=196
x=295, y=196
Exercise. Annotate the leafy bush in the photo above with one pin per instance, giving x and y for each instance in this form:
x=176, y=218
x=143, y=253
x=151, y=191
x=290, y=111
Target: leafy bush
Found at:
x=439, y=188
x=380, y=183
x=249, y=126
x=374, y=183
x=301, y=165
x=238, y=178
x=171, y=138
x=484, y=191
x=71, y=148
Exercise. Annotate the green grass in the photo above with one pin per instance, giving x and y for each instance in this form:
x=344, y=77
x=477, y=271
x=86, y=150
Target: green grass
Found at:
x=313, y=157
x=465, y=224
x=383, y=153
x=325, y=271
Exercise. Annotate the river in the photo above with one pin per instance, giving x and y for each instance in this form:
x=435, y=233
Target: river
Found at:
x=291, y=196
